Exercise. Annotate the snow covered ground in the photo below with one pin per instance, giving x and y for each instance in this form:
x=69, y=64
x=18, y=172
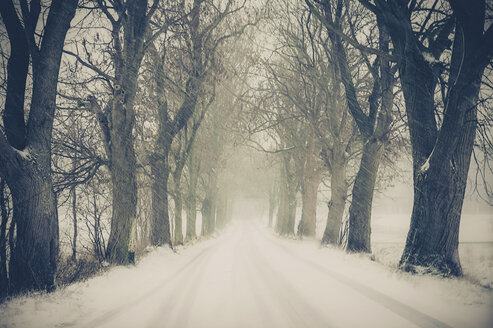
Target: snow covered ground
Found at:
x=475, y=248
x=248, y=277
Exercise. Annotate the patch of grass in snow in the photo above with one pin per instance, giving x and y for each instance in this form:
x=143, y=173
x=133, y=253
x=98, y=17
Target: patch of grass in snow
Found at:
x=69, y=271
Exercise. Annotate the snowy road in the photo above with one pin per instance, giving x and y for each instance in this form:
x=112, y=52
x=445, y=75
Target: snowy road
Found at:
x=250, y=278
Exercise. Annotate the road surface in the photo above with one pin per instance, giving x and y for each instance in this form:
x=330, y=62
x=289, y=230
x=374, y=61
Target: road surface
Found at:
x=249, y=278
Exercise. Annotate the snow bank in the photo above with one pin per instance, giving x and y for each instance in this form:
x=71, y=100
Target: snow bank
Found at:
x=86, y=301
x=456, y=302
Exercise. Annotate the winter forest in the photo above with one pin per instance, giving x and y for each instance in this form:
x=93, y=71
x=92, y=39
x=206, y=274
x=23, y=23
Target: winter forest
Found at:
x=246, y=163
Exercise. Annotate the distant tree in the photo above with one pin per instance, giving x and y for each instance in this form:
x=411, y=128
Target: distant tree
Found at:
x=181, y=155
x=201, y=32
x=306, y=77
x=193, y=171
x=373, y=122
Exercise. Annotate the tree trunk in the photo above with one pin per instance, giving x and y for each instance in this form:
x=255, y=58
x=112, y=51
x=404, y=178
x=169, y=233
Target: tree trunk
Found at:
x=191, y=199
x=286, y=214
x=433, y=237
x=291, y=218
x=178, y=209
x=74, y=221
x=309, y=191
x=33, y=263
x=337, y=203
x=191, y=212
x=209, y=205
x=123, y=178
x=359, y=224
x=118, y=127
x=160, y=227
x=11, y=234
x=99, y=244
x=4, y=282
x=308, y=222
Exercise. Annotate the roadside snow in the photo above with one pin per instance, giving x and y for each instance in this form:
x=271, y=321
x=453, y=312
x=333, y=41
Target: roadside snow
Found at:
x=75, y=303
x=475, y=244
x=457, y=302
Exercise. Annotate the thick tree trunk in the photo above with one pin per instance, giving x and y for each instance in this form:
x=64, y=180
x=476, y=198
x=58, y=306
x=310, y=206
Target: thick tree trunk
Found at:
x=359, y=223
x=337, y=204
x=123, y=177
x=160, y=227
x=160, y=170
x=433, y=238
x=127, y=59
x=34, y=259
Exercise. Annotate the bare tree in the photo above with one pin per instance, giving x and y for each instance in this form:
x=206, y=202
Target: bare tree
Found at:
x=373, y=124
x=307, y=78
x=203, y=29
x=129, y=26
x=441, y=148
x=25, y=148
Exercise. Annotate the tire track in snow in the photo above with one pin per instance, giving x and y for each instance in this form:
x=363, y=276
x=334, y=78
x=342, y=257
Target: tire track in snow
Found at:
x=403, y=310
x=295, y=306
x=181, y=306
x=110, y=315
x=254, y=280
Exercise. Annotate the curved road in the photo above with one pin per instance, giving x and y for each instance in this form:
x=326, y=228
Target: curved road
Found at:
x=250, y=279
